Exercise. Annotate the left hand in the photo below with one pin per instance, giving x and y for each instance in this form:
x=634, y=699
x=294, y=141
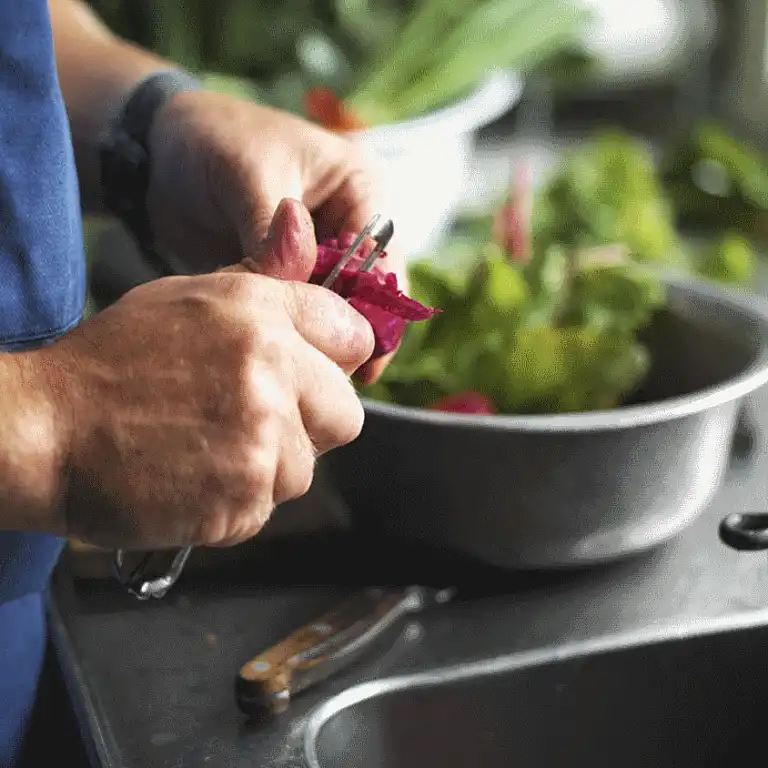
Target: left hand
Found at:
x=221, y=166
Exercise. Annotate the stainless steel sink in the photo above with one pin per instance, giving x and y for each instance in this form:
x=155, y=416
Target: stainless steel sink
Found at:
x=691, y=696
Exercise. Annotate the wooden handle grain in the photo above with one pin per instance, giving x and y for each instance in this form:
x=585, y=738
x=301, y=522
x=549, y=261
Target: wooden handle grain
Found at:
x=319, y=649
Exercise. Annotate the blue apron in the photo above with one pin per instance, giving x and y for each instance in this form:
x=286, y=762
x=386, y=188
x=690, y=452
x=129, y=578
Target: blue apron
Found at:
x=42, y=294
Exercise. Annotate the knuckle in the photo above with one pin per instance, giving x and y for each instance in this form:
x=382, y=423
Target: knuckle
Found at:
x=239, y=288
x=305, y=482
x=353, y=424
x=362, y=341
x=265, y=402
x=213, y=528
x=199, y=306
x=304, y=475
x=361, y=181
x=346, y=425
x=352, y=333
x=258, y=517
x=346, y=331
x=244, y=508
x=305, y=299
x=296, y=478
x=260, y=469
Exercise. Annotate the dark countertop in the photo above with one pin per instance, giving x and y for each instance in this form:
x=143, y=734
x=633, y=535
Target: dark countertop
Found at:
x=153, y=683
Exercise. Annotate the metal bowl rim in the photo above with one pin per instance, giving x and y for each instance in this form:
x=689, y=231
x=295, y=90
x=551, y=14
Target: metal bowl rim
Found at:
x=747, y=306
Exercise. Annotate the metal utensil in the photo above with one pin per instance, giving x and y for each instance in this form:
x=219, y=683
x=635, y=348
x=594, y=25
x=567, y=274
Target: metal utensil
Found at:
x=382, y=237
x=140, y=584
x=266, y=684
x=138, y=581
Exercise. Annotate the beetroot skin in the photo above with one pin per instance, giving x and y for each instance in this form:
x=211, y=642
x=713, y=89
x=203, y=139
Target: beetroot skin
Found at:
x=374, y=294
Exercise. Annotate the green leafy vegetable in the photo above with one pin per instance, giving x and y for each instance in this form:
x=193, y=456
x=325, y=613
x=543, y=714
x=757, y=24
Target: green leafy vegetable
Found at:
x=730, y=260
x=717, y=181
x=562, y=330
x=389, y=59
x=445, y=49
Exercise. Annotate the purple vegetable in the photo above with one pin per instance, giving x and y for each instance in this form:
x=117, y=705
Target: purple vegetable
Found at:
x=374, y=294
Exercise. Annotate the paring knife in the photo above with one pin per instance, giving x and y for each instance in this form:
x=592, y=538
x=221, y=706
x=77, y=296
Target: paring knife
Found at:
x=267, y=683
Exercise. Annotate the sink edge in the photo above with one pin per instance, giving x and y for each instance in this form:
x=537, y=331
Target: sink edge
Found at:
x=680, y=630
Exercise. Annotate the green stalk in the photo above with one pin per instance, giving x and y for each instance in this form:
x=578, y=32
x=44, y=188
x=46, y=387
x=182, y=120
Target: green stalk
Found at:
x=540, y=32
x=419, y=39
x=485, y=23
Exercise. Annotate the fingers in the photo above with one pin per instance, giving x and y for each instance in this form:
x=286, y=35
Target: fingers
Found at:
x=348, y=207
x=259, y=187
x=330, y=324
x=292, y=474
x=289, y=250
x=330, y=408
x=234, y=517
x=296, y=465
x=323, y=413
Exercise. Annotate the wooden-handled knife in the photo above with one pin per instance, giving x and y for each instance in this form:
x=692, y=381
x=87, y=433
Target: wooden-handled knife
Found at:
x=267, y=683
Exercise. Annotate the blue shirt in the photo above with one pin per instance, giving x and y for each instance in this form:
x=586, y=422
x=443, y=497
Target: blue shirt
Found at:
x=42, y=295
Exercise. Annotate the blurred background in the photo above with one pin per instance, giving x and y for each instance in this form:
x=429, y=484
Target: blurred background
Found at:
x=451, y=96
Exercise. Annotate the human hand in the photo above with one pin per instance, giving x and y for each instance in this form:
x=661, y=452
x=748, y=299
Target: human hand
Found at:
x=221, y=166
x=194, y=405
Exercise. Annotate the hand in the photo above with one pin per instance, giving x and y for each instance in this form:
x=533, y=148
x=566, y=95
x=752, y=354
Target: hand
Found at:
x=221, y=166
x=196, y=404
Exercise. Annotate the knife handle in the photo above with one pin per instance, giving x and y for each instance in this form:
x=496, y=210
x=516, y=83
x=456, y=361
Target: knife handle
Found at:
x=317, y=650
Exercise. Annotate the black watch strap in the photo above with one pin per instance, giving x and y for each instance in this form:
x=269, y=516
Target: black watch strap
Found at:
x=126, y=158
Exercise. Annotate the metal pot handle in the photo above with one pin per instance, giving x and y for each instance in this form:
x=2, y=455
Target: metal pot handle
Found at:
x=745, y=531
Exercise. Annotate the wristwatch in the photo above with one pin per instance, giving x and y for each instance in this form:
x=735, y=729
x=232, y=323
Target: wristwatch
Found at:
x=126, y=159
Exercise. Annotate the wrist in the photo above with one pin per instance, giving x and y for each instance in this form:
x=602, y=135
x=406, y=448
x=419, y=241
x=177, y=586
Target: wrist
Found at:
x=36, y=429
x=126, y=155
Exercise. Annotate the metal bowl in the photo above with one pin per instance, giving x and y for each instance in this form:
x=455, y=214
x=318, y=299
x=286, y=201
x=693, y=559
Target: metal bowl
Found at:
x=571, y=489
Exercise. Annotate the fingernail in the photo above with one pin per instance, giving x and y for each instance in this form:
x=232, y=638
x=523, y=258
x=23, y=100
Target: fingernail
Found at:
x=291, y=228
x=280, y=211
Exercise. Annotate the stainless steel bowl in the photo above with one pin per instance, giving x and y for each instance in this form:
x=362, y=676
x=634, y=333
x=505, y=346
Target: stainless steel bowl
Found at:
x=571, y=489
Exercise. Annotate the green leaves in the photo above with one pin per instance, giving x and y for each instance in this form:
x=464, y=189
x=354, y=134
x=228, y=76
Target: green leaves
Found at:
x=390, y=59
x=569, y=369
x=446, y=48
x=730, y=260
x=505, y=335
x=562, y=332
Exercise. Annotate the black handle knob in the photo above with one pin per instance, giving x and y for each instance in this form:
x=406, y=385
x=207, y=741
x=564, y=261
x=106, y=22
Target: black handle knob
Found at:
x=745, y=531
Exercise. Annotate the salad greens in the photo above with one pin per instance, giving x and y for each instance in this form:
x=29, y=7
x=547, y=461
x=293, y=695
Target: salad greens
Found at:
x=546, y=300
x=385, y=59
x=528, y=337
x=717, y=180
x=446, y=48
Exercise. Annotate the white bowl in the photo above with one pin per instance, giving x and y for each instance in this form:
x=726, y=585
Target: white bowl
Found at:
x=423, y=164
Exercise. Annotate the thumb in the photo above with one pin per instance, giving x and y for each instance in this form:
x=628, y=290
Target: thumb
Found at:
x=289, y=251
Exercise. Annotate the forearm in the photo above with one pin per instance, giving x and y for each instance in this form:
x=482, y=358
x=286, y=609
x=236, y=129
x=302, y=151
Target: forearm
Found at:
x=33, y=446
x=96, y=70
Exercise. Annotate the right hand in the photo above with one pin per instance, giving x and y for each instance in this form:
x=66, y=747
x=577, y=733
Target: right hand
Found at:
x=197, y=404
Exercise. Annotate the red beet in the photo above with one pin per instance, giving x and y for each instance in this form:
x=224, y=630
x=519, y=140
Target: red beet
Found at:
x=465, y=402
x=374, y=294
